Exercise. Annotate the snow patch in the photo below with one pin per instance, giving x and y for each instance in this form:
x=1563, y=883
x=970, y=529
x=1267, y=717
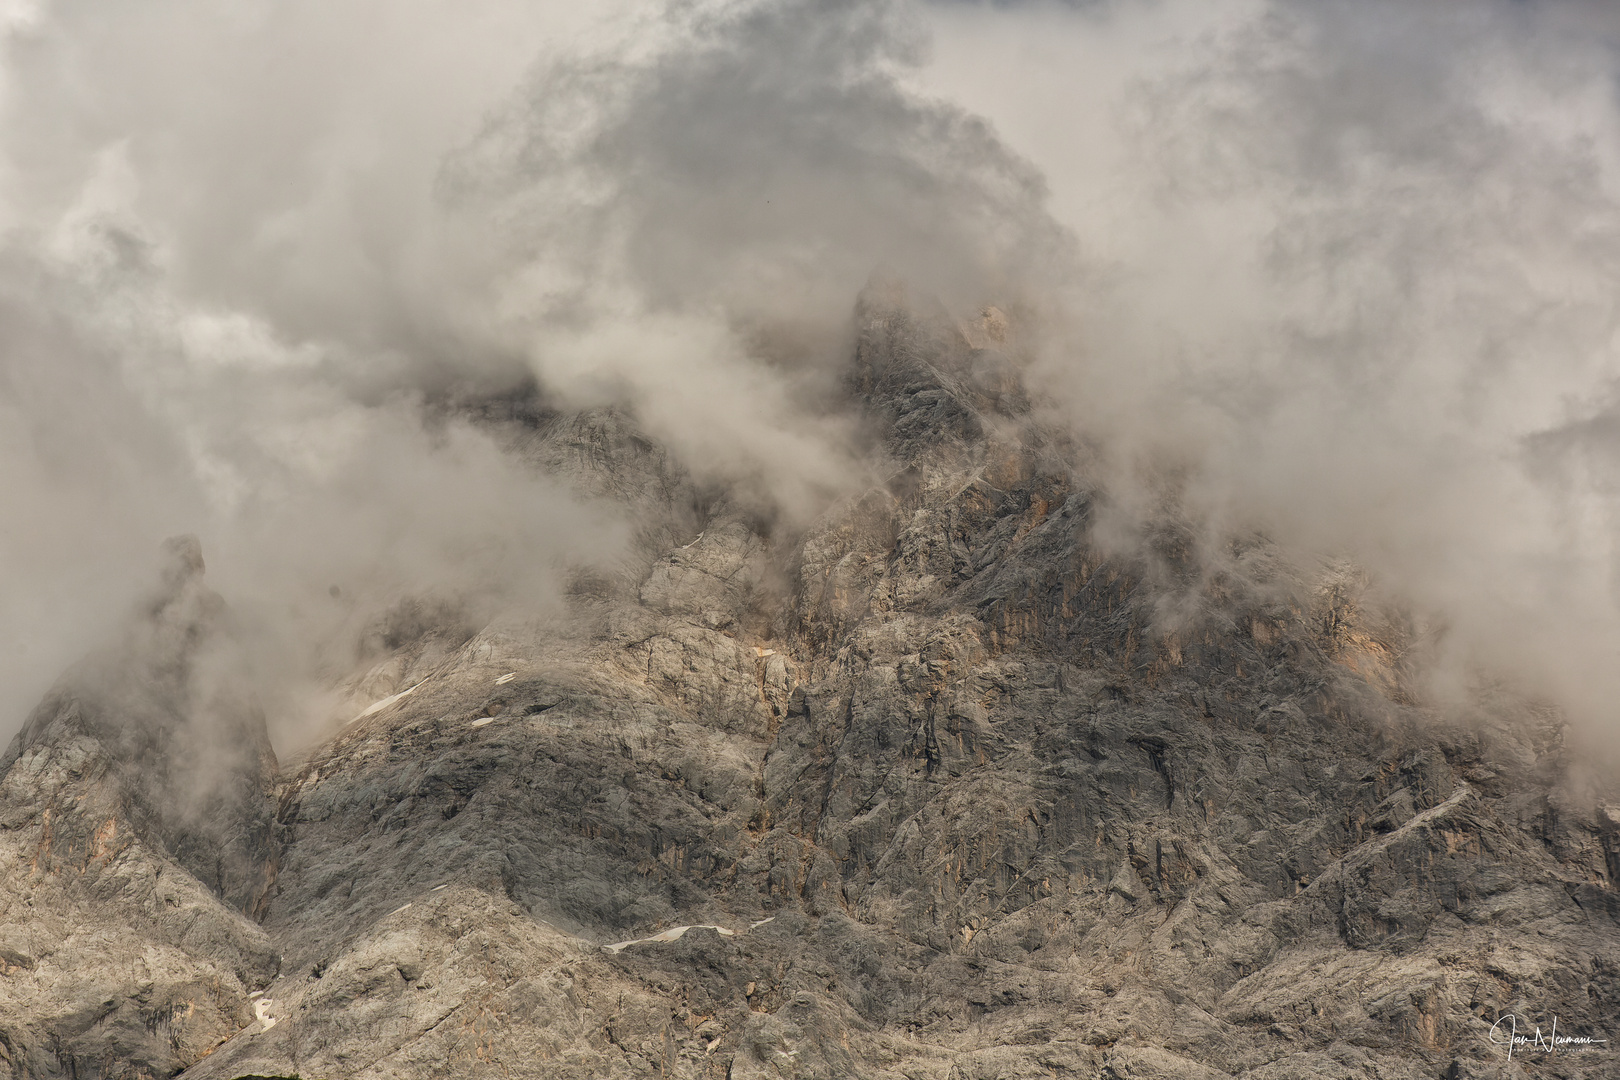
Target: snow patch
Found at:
x=674, y=933
x=385, y=702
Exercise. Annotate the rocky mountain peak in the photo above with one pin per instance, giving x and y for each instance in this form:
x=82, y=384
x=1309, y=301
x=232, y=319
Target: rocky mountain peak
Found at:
x=943, y=784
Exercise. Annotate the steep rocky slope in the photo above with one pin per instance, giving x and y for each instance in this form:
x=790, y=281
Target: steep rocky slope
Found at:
x=937, y=787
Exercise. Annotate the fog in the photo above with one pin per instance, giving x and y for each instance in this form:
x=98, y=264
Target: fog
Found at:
x=1350, y=279
x=1343, y=270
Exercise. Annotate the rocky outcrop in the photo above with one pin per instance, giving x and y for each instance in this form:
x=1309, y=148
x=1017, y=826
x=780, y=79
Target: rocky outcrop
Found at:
x=942, y=786
x=136, y=851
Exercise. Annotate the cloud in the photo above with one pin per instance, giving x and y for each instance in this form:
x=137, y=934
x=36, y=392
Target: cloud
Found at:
x=725, y=187
x=1343, y=269
x=224, y=292
x=255, y=243
x=1349, y=270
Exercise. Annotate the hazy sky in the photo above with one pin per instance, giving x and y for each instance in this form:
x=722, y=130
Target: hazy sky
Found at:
x=1346, y=267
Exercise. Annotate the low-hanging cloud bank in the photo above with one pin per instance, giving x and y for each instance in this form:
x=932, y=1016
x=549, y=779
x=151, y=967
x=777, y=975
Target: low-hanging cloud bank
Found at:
x=1342, y=267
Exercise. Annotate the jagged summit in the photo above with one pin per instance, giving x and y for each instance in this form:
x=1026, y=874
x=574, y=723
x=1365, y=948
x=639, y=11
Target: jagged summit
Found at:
x=929, y=788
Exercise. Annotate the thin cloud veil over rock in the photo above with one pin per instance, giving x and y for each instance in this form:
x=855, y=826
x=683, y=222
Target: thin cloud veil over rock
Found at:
x=676, y=213
x=1351, y=281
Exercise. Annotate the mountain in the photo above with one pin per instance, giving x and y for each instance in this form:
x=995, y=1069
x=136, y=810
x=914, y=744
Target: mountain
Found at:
x=941, y=785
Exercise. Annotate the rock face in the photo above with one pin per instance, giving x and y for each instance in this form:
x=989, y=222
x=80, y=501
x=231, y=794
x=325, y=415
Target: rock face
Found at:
x=136, y=852
x=938, y=787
